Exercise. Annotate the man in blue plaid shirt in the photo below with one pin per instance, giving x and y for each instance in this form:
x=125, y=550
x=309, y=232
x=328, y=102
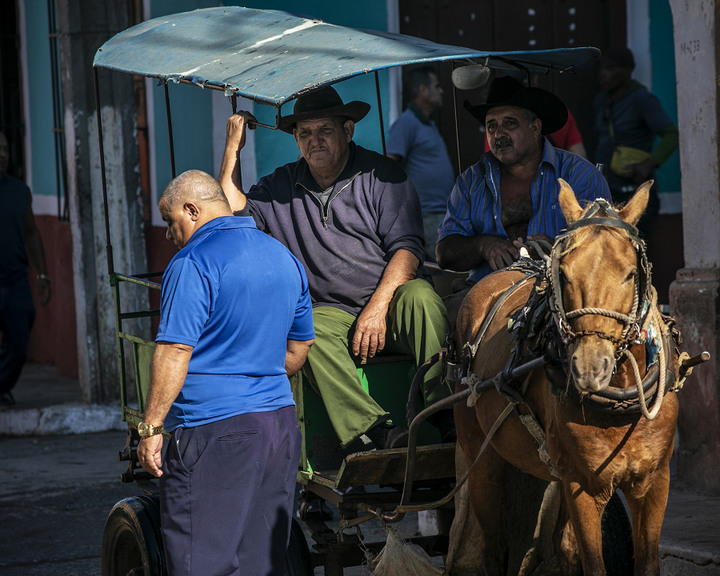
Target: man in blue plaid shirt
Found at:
x=510, y=195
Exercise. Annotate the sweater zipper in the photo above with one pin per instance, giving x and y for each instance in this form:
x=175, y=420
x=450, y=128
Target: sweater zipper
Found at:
x=325, y=208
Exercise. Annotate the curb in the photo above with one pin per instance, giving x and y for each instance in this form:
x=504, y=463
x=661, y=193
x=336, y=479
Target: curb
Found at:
x=60, y=419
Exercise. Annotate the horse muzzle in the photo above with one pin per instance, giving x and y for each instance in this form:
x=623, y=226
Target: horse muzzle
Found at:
x=592, y=366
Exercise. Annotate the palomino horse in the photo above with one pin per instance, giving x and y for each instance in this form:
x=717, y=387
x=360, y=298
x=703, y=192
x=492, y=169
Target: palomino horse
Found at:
x=596, y=417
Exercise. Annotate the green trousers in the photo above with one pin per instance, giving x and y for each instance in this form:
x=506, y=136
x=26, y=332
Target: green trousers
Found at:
x=417, y=325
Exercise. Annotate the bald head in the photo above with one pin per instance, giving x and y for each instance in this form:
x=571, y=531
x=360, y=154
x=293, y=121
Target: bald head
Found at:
x=198, y=187
x=190, y=201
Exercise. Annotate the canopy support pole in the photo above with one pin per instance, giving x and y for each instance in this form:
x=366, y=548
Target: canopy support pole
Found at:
x=380, y=113
x=457, y=125
x=108, y=245
x=170, y=131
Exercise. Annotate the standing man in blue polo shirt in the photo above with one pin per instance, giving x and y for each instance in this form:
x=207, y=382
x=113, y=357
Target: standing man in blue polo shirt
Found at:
x=415, y=142
x=236, y=320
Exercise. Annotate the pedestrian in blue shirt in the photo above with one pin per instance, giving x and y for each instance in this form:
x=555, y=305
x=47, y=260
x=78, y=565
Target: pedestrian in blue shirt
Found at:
x=510, y=196
x=415, y=142
x=235, y=322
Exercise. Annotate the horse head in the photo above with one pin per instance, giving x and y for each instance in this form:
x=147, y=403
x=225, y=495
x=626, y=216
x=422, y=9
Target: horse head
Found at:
x=600, y=277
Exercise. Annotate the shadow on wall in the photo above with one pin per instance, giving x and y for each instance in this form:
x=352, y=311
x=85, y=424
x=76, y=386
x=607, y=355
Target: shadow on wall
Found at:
x=665, y=252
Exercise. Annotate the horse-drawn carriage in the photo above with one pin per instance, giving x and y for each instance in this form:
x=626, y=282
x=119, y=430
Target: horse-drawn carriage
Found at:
x=263, y=56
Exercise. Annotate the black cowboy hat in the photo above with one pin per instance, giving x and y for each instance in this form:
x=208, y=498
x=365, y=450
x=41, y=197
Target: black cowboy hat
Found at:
x=507, y=91
x=321, y=104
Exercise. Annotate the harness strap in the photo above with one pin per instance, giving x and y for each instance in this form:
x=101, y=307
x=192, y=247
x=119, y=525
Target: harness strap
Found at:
x=404, y=509
x=536, y=431
x=602, y=221
x=493, y=311
x=532, y=424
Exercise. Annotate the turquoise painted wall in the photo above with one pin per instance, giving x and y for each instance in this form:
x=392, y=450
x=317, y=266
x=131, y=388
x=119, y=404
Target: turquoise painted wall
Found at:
x=191, y=107
x=664, y=82
x=39, y=100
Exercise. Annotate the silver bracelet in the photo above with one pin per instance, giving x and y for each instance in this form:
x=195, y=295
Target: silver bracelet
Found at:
x=43, y=277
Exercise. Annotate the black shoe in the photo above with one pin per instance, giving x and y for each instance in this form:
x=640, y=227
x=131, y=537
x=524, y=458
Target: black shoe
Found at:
x=7, y=399
x=386, y=435
x=360, y=444
x=445, y=422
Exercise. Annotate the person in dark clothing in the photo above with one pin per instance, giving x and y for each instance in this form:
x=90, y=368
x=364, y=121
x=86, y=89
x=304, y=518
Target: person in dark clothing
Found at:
x=353, y=219
x=20, y=240
x=627, y=114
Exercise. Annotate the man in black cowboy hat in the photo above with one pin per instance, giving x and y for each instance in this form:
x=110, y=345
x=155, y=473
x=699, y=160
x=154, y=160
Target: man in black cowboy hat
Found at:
x=510, y=195
x=352, y=217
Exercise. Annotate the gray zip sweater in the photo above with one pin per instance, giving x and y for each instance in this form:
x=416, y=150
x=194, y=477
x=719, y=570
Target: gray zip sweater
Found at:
x=372, y=211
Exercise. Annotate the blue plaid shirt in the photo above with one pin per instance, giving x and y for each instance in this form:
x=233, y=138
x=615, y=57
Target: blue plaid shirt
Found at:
x=474, y=206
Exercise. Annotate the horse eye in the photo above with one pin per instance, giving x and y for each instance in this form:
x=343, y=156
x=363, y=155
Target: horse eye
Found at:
x=631, y=276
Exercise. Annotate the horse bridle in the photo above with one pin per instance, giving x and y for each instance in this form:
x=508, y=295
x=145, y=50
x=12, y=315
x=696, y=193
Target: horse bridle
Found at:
x=631, y=322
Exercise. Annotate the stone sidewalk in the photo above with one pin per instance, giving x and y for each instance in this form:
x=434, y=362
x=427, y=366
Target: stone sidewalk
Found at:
x=51, y=405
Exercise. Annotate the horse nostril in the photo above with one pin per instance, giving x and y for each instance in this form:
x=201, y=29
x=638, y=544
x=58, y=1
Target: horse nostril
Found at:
x=591, y=372
x=606, y=366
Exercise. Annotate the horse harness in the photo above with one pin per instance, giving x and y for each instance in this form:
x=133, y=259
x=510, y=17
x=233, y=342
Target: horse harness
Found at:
x=541, y=329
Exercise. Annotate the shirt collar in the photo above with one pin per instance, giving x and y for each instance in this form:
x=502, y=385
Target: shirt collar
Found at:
x=418, y=113
x=221, y=223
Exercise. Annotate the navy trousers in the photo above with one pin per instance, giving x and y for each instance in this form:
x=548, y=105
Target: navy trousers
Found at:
x=17, y=315
x=226, y=495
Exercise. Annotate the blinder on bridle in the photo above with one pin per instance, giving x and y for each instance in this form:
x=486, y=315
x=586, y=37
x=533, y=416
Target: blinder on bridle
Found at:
x=601, y=213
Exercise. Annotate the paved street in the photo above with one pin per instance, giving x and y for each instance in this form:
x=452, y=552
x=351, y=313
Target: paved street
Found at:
x=56, y=490
x=55, y=493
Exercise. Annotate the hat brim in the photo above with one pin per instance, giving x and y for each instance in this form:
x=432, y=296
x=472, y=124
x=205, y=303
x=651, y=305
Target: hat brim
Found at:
x=355, y=110
x=549, y=108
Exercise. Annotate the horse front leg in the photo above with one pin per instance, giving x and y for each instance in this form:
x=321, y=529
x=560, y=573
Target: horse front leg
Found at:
x=485, y=487
x=648, y=511
x=585, y=519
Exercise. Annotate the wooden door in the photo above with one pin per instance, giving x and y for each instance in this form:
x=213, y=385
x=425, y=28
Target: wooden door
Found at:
x=516, y=25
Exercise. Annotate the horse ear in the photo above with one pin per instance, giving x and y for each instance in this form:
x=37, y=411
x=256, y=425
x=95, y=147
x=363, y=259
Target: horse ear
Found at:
x=568, y=203
x=635, y=207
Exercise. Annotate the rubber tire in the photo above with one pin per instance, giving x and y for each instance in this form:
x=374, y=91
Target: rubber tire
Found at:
x=297, y=558
x=132, y=541
x=617, y=542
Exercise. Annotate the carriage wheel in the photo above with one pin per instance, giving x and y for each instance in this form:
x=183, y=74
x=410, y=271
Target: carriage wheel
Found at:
x=617, y=540
x=297, y=558
x=132, y=541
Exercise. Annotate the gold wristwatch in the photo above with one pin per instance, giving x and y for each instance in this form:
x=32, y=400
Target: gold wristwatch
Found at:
x=147, y=430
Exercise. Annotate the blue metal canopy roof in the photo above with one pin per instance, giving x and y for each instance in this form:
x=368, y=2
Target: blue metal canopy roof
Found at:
x=272, y=57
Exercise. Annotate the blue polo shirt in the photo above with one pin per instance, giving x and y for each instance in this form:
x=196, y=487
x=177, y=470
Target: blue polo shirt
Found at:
x=236, y=296
x=424, y=157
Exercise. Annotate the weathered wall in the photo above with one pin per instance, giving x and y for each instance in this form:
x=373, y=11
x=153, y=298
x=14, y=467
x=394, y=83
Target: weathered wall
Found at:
x=84, y=25
x=694, y=294
x=53, y=339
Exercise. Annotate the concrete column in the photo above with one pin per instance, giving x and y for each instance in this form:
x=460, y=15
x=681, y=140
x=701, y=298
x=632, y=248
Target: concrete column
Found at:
x=694, y=294
x=84, y=25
